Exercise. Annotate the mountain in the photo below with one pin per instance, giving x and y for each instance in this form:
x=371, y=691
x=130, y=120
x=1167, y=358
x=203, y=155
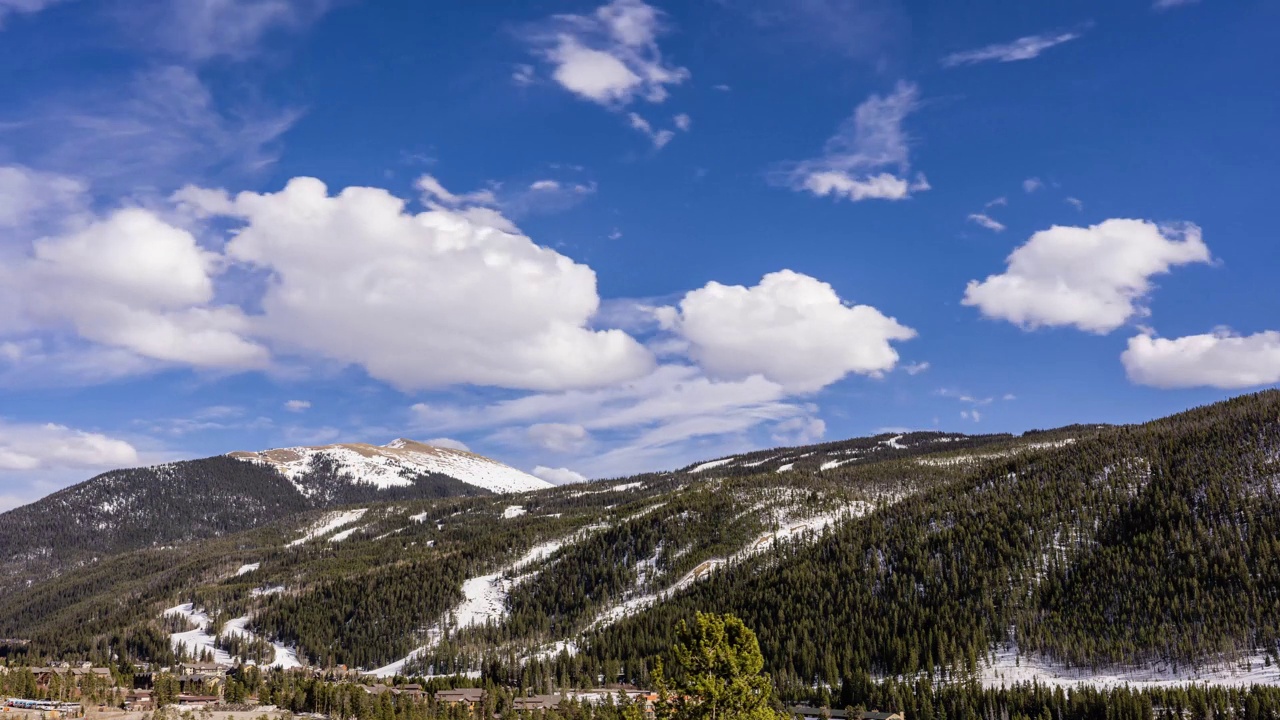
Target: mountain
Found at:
x=1148, y=548
x=187, y=501
x=394, y=465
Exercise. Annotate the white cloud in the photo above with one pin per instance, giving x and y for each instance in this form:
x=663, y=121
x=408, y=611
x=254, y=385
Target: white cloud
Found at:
x=1033, y=184
x=661, y=418
x=356, y=279
x=683, y=122
x=435, y=195
x=610, y=57
x=39, y=447
x=297, y=405
x=965, y=397
x=998, y=202
x=792, y=329
x=1095, y=278
x=448, y=444
x=134, y=282
x=559, y=476
x=558, y=437
x=659, y=138
x=1076, y=203
x=27, y=196
x=915, y=368
x=869, y=157
x=799, y=431
x=544, y=185
x=986, y=221
x=1170, y=4
x=1024, y=48
x=1221, y=359
x=973, y=415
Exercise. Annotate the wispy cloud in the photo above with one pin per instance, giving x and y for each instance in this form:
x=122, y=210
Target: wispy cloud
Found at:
x=868, y=157
x=986, y=221
x=1024, y=48
x=1170, y=4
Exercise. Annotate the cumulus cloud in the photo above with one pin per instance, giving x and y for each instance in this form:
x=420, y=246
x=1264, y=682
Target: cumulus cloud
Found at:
x=297, y=405
x=986, y=221
x=610, y=57
x=1221, y=359
x=869, y=156
x=1095, y=278
x=559, y=476
x=683, y=122
x=791, y=329
x=50, y=446
x=452, y=295
x=27, y=196
x=132, y=281
x=1024, y=48
x=1032, y=184
x=1076, y=203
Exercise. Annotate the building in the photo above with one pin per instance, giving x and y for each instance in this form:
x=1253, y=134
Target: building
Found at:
x=537, y=702
x=804, y=712
x=139, y=700
x=470, y=697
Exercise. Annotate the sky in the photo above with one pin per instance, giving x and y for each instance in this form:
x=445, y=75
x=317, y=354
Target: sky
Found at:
x=591, y=239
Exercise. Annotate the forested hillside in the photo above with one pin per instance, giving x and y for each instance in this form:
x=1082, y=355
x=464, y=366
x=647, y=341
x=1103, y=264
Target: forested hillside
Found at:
x=1135, y=544
x=921, y=553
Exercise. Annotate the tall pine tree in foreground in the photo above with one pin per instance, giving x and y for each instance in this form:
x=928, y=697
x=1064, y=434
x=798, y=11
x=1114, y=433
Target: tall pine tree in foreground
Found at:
x=718, y=674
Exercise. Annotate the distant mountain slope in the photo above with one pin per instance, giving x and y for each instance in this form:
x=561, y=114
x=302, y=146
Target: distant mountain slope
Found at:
x=393, y=465
x=179, y=502
x=903, y=554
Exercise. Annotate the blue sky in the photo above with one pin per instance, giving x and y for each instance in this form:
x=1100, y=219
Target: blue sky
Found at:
x=590, y=238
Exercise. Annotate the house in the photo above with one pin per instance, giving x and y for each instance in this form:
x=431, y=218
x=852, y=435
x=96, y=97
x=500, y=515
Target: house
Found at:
x=803, y=712
x=537, y=702
x=139, y=700
x=412, y=690
x=465, y=696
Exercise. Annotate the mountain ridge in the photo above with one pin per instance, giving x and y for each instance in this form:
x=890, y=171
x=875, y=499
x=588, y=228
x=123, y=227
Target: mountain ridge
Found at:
x=893, y=555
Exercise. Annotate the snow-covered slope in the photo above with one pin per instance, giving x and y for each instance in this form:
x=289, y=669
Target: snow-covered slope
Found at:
x=394, y=465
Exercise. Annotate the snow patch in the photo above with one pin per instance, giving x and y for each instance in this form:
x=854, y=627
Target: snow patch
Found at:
x=784, y=468
x=246, y=569
x=1010, y=669
x=329, y=523
x=513, y=511
x=286, y=658
x=712, y=464
x=196, y=641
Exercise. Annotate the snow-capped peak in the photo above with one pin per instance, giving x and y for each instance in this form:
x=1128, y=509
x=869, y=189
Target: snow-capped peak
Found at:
x=395, y=465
